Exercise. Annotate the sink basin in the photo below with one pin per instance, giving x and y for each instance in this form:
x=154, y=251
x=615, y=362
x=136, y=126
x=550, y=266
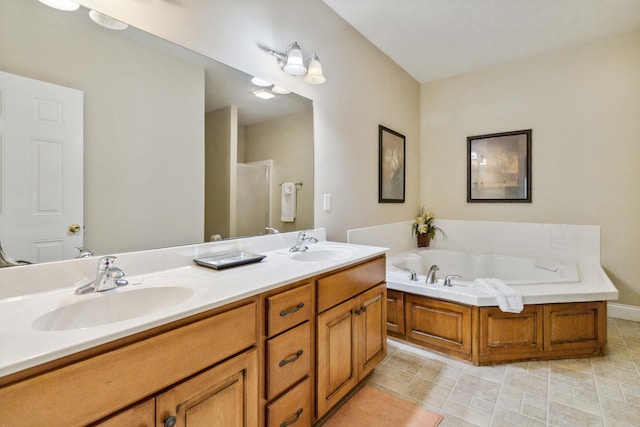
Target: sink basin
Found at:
x=110, y=307
x=334, y=253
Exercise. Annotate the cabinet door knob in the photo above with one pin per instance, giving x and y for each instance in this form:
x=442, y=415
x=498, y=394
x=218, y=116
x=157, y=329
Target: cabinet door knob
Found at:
x=293, y=359
x=170, y=421
x=293, y=420
x=292, y=310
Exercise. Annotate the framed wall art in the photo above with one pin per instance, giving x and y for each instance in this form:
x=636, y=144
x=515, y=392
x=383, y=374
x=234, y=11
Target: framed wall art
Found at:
x=499, y=167
x=391, y=163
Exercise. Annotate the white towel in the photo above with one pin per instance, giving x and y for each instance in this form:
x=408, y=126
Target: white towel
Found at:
x=288, y=209
x=509, y=299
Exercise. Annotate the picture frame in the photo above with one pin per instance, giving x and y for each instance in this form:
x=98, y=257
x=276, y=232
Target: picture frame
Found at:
x=391, y=166
x=499, y=167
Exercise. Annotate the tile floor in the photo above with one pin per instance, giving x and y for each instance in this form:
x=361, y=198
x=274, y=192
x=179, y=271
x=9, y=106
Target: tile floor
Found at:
x=598, y=391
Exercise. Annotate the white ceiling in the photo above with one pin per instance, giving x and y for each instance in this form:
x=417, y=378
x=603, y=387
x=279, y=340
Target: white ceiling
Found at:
x=433, y=39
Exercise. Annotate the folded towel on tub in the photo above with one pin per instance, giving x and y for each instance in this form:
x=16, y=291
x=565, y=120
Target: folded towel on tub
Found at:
x=509, y=299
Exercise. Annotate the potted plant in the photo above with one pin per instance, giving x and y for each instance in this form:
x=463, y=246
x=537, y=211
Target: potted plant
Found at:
x=424, y=228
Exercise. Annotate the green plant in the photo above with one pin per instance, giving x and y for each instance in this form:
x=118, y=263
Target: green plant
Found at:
x=424, y=225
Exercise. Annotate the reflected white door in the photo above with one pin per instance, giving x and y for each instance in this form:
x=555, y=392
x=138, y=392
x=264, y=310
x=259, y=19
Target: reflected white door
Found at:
x=41, y=169
x=253, y=201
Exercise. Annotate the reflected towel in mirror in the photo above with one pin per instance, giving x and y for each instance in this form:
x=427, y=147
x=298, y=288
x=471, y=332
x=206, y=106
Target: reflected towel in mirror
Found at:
x=288, y=209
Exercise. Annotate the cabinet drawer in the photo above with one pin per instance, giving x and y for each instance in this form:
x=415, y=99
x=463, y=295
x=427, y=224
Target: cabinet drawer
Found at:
x=290, y=308
x=341, y=286
x=293, y=408
x=288, y=359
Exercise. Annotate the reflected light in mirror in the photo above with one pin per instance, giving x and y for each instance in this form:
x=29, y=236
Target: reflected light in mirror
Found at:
x=66, y=5
x=107, y=21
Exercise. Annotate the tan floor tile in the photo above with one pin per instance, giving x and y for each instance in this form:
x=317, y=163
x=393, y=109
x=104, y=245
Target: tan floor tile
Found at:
x=510, y=398
x=472, y=416
x=562, y=415
x=576, y=403
x=506, y=418
x=525, y=382
x=621, y=412
x=427, y=392
x=479, y=387
x=628, y=376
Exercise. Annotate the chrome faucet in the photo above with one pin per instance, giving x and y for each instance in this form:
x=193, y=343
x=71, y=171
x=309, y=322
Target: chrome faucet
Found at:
x=271, y=230
x=431, y=275
x=447, y=279
x=412, y=274
x=84, y=252
x=301, y=242
x=107, y=277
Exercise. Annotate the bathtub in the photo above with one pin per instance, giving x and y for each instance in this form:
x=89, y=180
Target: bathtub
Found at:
x=538, y=280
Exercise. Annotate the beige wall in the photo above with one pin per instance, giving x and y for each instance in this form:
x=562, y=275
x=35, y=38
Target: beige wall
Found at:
x=289, y=143
x=583, y=105
x=364, y=88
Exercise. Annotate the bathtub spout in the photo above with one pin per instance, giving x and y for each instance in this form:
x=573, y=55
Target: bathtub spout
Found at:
x=413, y=276
x=431, y=275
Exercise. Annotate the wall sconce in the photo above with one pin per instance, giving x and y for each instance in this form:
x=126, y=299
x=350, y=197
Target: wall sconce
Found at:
x=293, y=63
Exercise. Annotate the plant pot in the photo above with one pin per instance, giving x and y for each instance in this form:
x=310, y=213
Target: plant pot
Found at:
x=423, y=241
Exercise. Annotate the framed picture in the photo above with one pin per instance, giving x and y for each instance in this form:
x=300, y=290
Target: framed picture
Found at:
x=391, y=162
x=499, y=167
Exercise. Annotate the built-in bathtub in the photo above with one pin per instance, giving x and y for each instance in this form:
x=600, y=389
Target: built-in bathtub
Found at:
x=538, y=280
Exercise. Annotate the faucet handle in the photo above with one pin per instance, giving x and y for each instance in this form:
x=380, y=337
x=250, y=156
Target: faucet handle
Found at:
x=447, y=279
x=106, y=262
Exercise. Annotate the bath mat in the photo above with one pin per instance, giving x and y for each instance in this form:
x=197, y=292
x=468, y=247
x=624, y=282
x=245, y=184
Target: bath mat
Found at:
x=373, y=407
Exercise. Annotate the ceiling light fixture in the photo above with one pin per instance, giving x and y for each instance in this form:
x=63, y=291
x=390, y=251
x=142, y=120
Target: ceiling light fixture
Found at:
x=107, y=21
x=293, y=63
x=66, y=5
x=260, y=82
x=263, y=93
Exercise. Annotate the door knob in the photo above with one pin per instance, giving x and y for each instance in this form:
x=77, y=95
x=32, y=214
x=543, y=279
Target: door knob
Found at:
x=74, y=228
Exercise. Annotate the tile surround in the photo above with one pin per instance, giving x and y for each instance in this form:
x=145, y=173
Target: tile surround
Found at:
x=598, y=391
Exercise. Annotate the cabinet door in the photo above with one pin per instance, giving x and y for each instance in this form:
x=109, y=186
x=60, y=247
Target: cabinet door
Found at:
x=336, y=355
x=442, y=326
x=225, y=395
x=140, y=415
x=372, y=323
x=395, y=313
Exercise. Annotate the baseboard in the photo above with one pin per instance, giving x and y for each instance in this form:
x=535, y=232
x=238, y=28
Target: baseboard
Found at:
x=624, y=312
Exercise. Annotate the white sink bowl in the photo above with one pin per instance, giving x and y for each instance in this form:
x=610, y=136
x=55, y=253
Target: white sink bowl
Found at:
x=330, y=253
x=110, y=307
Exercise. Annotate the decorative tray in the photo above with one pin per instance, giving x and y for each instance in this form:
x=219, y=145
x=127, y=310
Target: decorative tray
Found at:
x=231, y=259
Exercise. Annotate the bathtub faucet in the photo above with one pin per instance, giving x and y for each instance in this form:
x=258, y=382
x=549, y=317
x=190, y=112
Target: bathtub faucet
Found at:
x=447, y=279
x=431, y=275
x=412, y=274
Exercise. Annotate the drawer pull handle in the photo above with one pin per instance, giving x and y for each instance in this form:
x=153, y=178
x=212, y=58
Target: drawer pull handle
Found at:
x=292, y=310
x=293, y=359
x=293, y=421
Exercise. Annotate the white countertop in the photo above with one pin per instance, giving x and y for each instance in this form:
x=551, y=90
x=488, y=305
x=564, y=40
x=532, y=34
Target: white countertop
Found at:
x=23, y=346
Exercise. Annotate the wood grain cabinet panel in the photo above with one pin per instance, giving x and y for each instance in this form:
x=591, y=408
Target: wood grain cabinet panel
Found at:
x=505, y=336
x=395, y=313
x=290, y=308
x=293, y=408
x=575, y=326
x=288, y=359
x=225, y=395
x=443, y=326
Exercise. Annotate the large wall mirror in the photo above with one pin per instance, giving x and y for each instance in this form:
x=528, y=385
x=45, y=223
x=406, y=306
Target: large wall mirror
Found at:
x=174, y=147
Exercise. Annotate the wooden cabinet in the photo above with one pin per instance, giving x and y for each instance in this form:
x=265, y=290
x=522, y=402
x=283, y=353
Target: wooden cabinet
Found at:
x=487, y=335
x=395, y=313
x=351, y=331
x=289, y=356
x=225, y=395
x=441, y=325
x=131, y=369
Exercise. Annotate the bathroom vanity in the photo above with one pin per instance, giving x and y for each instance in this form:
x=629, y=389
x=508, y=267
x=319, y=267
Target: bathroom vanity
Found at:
x=269, y=354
